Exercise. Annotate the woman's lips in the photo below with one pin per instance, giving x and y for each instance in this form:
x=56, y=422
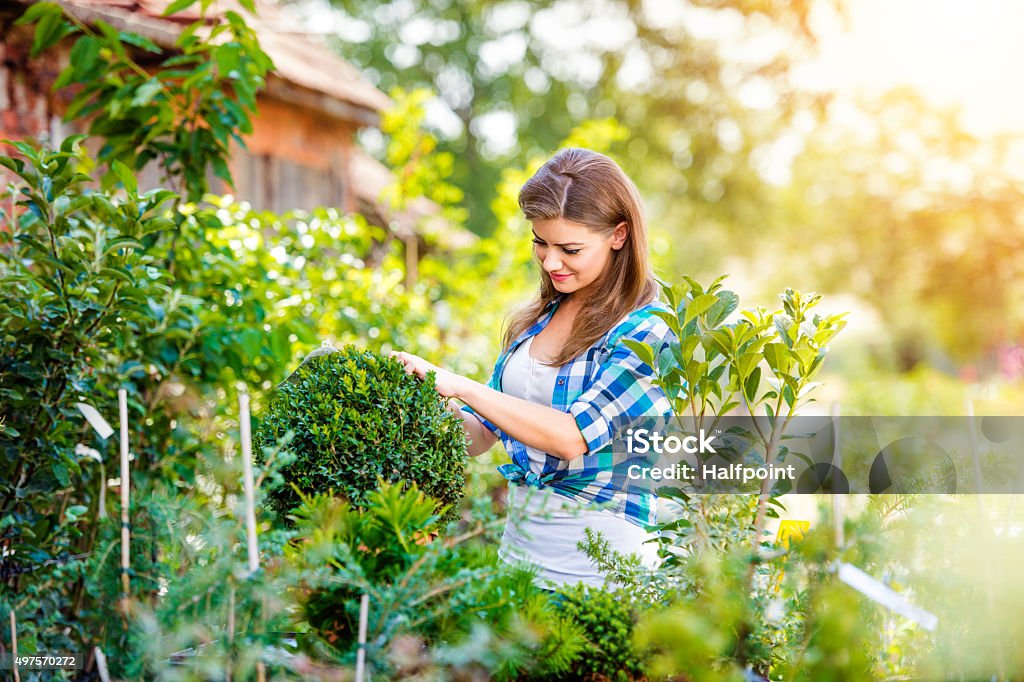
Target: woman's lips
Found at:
x=559, y=278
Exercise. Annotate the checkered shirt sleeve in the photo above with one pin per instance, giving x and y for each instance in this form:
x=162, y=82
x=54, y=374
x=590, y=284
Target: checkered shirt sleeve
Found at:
x=624, y=387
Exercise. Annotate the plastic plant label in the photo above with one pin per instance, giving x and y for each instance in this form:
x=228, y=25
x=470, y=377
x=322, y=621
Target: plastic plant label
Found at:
x=96, y=420
x=878, y=592
x=789, y=530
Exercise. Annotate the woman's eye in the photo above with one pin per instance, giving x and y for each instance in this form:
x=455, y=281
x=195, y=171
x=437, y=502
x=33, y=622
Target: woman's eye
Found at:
x=570, y=252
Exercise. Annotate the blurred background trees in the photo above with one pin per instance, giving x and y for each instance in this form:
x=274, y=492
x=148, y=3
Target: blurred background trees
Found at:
x=513, y=78
x=886, y=199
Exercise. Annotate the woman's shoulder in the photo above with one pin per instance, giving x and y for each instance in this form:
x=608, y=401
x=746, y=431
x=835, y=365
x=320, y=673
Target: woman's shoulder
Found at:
x=643, y=324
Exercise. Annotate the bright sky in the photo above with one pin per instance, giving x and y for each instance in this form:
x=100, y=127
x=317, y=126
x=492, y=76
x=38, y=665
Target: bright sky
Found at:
x=965, y=52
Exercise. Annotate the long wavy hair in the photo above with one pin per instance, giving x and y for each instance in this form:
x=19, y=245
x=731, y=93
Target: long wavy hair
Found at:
x=588, y=188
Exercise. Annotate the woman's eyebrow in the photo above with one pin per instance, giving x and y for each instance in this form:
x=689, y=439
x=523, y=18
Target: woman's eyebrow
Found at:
x=566, y=244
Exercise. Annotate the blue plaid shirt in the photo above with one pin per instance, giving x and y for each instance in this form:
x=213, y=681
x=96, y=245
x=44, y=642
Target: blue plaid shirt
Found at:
x=602, y=388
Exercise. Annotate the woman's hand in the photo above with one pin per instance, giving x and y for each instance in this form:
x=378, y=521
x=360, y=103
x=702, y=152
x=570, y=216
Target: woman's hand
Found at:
x=448, y=384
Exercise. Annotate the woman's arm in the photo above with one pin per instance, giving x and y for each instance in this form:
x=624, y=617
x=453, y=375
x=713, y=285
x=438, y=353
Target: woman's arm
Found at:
x=544, y=428
x=480, y=438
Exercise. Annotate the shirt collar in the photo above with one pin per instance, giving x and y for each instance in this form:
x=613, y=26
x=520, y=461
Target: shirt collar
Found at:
x=538, y=326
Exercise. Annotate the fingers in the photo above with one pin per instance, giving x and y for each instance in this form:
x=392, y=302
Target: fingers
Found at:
x=408, y=361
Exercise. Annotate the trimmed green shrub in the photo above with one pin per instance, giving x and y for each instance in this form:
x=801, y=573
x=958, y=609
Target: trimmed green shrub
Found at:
x=607, y=619
x=355, y=418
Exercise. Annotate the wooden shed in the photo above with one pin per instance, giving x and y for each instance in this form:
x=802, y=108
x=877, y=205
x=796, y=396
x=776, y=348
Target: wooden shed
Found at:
x=301, y=153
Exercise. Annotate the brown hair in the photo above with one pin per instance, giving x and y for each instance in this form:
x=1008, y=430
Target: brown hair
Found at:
x=588, y=188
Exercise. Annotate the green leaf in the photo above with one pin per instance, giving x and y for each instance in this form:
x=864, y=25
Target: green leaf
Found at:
x=178, y=6
x=752, y=383
x=725, y=305
x=126, y=176
x=85, y=55
x=687, y=347
x=670, y=319
x=699, y=305
x=724, y=409
x=34, y=244
x=64, y=78
x=140, y=41
x=778, y=357
x=49, y=31
x=747, y=362
x=783, y=324
x=70, y=142
x=82, y=104
x=672, y=493
x=60, y=472
x=669, y=292
x=227, y=57
x=36, y=11
x=113, y=37
x=642, y=350
x=117, y=273
x=122, y=243
x=720, y=340
x=16, y=165
x=145, y=93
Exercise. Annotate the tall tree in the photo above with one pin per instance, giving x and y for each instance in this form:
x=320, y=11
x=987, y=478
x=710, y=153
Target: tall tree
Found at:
x=515, y=76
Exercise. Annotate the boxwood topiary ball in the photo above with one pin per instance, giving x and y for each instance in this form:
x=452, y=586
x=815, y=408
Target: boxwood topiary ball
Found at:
x=358, y=417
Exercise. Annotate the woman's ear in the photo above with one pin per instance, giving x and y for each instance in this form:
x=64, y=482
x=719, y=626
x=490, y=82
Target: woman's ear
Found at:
x=619, y=235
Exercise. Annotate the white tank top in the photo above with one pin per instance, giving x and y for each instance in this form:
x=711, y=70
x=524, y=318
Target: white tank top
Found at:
x=543, y=527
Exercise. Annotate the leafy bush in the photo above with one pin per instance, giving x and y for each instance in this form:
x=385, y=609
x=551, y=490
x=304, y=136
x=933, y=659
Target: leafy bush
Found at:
x=356, y=418
x=607, y=620
x=438, y=609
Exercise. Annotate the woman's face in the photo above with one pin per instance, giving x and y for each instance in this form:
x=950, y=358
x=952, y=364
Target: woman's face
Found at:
x=574, y=256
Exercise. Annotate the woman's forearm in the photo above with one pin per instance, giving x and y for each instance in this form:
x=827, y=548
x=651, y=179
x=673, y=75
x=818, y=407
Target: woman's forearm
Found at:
x=544, y=428
x=479, y=438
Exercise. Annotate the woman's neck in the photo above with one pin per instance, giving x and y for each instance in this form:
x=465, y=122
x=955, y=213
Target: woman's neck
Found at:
x=570, y=305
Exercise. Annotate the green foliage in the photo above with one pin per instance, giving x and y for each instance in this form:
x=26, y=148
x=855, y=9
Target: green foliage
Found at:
x=209, y=611
x=606, y=618
x=715, y=367
x=437, y=604
x=422, y=170
x=183, y=113
x=175, y=302
x=77, y=319
x=353, y=418
x=716, y=560
x=509, y=60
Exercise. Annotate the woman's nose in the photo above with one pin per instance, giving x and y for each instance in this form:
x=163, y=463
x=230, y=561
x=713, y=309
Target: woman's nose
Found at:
x=551, y=261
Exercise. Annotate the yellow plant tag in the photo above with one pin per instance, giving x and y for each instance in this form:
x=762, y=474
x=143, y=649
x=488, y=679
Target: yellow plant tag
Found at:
x=791, y=529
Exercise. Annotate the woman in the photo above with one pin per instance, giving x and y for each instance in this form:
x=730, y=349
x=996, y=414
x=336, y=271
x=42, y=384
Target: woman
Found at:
x=564, y=382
